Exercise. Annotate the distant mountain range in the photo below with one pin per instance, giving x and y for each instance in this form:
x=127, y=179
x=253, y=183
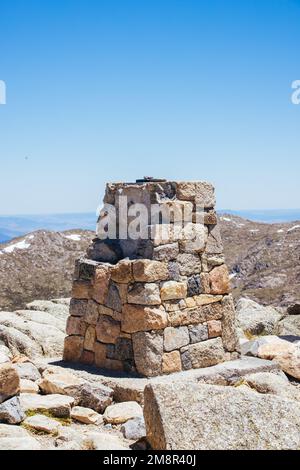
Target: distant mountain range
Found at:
x=16, y=226
x=263, y=260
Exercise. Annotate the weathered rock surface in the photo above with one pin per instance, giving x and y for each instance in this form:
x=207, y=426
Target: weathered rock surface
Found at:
x=122, y=412
x=275, y=384
x=42, y=424
x=89, y=395
x=134, y=429
x=188, y=417
x=257, y=319
x=9, y=382
x=85, y=415
x=11, y=411
x=57, y=405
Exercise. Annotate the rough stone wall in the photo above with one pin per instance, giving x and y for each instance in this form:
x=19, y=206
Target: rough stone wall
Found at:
x=154, y=306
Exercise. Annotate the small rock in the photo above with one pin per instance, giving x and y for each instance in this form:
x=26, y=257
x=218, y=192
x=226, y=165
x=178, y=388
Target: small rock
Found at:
x=42, y=424
x=11, y=411
x=9, y=381
x=122, y=412
x=28, y=386
x=85, y=415
x=134, y=429
x=103, y=441
x=28, y=371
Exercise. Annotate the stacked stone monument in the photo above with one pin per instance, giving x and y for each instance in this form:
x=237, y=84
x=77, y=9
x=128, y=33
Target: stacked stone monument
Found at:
x=155, y=304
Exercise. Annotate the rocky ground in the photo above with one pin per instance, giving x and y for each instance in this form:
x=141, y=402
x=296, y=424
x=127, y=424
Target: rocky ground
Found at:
x=48, y=404
x=263, y=259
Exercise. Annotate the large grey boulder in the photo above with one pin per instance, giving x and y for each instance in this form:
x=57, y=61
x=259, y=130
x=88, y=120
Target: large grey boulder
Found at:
x=56, y=308
x=211, y=417
x=255, y=319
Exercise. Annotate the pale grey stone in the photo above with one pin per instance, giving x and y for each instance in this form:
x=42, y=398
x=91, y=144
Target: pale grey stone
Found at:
x=27, y=370
x=189, y=264
x=134, y=429
x=148, y=351
x=166, y=252
x=206, y=353
x=144, y=294
x=11, y=412
x=210, y=417
x=198, y=333
x=257, y=319
x=175, y=338
x=214, y=244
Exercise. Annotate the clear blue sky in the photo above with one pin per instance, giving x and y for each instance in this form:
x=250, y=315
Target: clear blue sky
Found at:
x=108, y=90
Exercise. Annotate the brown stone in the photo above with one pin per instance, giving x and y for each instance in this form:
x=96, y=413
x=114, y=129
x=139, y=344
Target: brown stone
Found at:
x=214, y=328
x=90, y=337
x=122, y=272
x=75, y=326
x=219, y=280
x=192, y=316
x=73, y=348
x=141, y=318
x=205, y=284
x=171, y=362
x=149, y=271
x=205, y=299
x=9, y=382
x=107, y=330
x=113, y=364
x=172, y=290
x=91, y=313
x=122, y=289
x=87, y=357
x=110, y=312
x=210, y=218
x=101, y=283
x=78, y=307
x=188, y=316
x=81, y=290
x=185, y=191
x=100, y=354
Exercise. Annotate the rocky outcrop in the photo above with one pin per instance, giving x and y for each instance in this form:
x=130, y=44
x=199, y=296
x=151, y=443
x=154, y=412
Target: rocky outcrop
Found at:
x=39, y=330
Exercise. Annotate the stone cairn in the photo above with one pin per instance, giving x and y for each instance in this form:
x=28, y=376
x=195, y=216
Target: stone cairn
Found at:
x=158, y=305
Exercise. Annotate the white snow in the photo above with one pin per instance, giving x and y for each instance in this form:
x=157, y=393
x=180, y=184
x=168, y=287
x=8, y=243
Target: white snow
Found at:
x=74, y=237
x=23, y=245
x=226, y=219
x=293, y=228
x=280, y=230
x=231, y=276
x=254, y=230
